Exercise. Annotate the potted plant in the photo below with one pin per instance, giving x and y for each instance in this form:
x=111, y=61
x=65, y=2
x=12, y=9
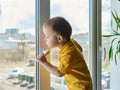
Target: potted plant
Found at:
x=114, y=50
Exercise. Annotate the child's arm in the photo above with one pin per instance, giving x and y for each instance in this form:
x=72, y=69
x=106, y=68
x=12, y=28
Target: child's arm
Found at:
x=51, y=68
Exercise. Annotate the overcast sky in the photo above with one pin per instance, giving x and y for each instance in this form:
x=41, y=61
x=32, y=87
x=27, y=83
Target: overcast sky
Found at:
x=18, y=14
x=21, y=14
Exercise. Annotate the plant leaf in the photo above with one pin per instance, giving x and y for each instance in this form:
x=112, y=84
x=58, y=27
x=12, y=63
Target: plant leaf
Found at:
x=111, y=50
x=110, y=53
x=116, y=32
x=116, y=58
x=117, y=20
x=108, y=35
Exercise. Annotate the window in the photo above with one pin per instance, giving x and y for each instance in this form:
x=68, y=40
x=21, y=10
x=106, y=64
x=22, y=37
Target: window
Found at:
x=77, y=13
x=17, y=40
x=17, y=44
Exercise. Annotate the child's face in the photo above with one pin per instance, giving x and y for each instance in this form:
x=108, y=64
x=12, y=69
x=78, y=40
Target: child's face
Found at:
x=50, y=37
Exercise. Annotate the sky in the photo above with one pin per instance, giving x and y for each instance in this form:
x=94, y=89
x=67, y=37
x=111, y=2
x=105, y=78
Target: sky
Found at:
x=73, y=12
x=18, y=14
x=21, y=14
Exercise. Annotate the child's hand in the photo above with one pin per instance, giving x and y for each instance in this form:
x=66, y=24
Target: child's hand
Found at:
x=41, y=58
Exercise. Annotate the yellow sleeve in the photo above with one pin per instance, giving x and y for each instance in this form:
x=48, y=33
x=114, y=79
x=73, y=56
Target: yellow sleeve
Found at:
x=65, y=64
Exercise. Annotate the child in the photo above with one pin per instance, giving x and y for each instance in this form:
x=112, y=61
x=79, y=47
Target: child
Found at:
x=72, y=65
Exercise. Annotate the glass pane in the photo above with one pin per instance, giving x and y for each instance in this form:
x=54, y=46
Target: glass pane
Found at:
x=77, y=13
x=106, y=29
x=17, y=44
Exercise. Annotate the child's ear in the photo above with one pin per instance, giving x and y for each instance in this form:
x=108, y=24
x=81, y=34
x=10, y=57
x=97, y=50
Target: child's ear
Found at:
x=60, y=38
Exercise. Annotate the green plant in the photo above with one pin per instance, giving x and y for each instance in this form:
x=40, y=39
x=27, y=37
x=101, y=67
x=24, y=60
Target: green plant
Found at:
x=114, y=51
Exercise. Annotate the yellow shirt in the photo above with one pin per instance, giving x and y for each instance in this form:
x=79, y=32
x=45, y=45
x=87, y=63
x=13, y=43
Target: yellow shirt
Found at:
x=73, y=65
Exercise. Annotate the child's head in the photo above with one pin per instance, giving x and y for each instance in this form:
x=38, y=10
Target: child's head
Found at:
x=57, y=31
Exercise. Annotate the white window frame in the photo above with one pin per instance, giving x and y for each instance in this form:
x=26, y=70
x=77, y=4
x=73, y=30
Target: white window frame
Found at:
x=42, y=14
x=95, y=45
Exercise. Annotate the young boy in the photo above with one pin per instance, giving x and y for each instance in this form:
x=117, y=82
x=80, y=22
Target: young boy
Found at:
x=72, y=65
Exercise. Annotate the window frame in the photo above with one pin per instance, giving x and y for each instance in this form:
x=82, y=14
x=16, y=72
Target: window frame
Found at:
x=95, y=44
x=42, y=13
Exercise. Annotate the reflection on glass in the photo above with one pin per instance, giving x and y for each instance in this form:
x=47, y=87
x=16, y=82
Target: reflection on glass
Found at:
x=77, y=13
x=17, y=45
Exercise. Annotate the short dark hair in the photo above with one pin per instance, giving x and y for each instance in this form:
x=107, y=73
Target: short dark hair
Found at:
x=61, y=26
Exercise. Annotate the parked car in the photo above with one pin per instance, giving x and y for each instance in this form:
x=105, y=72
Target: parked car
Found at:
x=15, y=72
